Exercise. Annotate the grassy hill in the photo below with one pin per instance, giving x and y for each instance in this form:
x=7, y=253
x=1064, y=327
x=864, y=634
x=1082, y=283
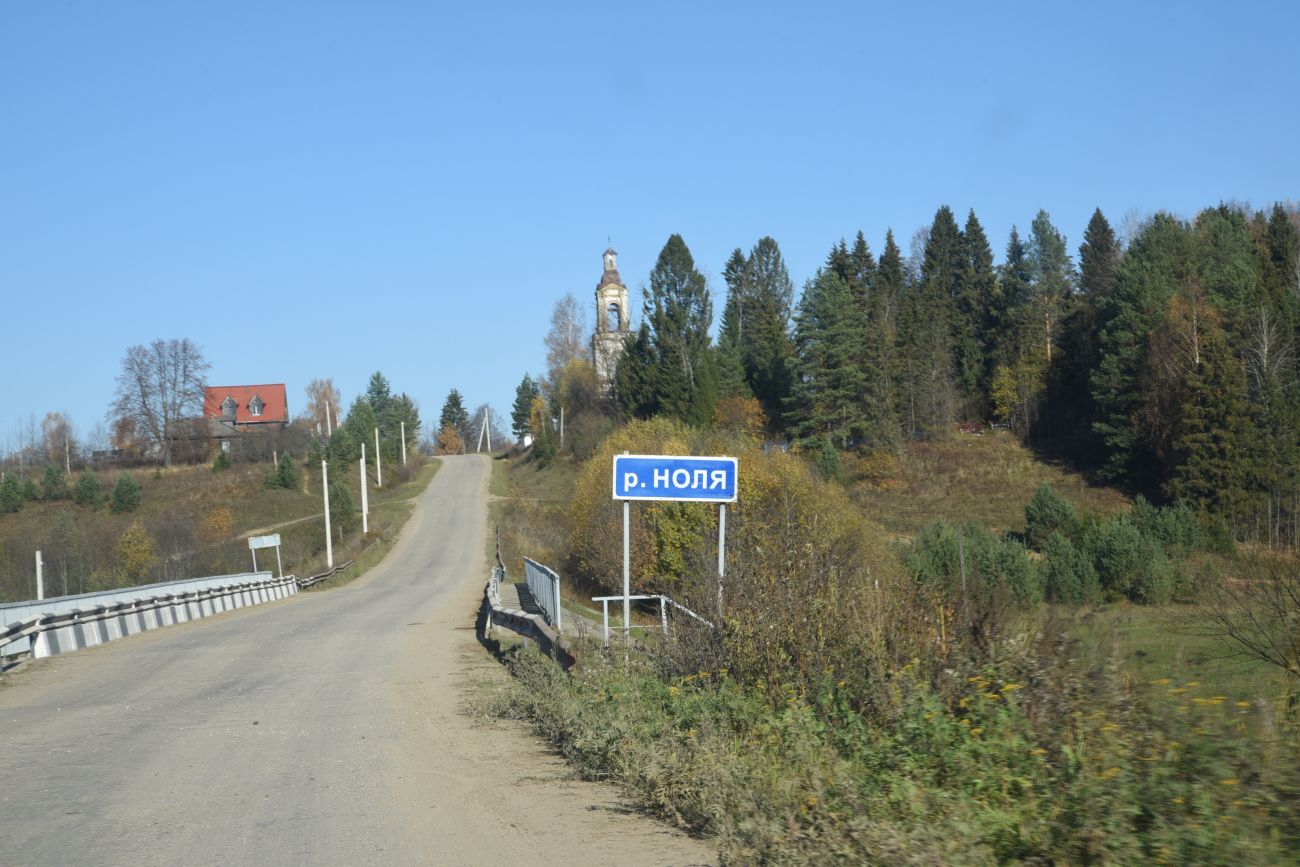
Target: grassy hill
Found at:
x=196, y=521
x=983, y=478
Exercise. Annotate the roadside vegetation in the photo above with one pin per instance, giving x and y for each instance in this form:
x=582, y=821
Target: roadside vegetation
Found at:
x=934, y=645
x=861, y=703
x=121, y=527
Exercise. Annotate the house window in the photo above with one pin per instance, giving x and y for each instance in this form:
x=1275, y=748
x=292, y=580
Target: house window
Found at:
x=228, y=407
x=255, y=406
x=225, y=446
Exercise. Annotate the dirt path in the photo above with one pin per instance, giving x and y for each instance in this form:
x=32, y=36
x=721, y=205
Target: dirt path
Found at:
x=324, y=729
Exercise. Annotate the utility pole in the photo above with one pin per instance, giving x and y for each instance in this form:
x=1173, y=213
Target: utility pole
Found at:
x=365, y=500
x=40, y=576
x=379, y=463
x=329, y=426
x=67, y=457
x=329, y=538
x=403, y=443
x=561, y=427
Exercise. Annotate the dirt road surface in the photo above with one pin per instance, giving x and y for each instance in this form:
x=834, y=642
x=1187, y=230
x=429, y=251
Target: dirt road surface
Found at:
x=322, y=729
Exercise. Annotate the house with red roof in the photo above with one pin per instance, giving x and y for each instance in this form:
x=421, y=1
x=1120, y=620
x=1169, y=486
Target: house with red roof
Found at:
x=233, y=411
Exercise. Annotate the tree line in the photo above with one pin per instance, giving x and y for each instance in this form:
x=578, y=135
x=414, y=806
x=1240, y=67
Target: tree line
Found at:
x=1165, y=364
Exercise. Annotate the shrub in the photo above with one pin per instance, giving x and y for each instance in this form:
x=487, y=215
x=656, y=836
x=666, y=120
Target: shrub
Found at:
x=135, y=552
x=1068, y=573
x=87, y=491
x=11, y=494
x=53, y=485
x=1176, y=527
x=343, y=513
x=126, y=494
x=1046, y=513
x=827, y=460
x=221, y=462
x=1131, y=564
x=283, y=475
x=991, y=564
x=29, y=491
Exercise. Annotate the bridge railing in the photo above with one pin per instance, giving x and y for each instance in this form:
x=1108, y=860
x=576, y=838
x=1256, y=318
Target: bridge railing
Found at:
x=47, y=627
x=544, y=584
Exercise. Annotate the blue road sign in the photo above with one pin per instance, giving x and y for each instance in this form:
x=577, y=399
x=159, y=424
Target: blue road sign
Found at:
x=673, y=477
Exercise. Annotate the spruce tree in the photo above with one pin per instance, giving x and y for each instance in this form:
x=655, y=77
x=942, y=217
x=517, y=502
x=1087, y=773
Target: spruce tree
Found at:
x=454, y=415
x=1156, y=265
x=1070, y=411
x=126, y=494
x=1209, y=439
x=635, y=389
x=977, y=298
x=826, y=397
x=521, y=409
x=53, y=485
x=679, y=311
x=925, y=332
x=766, y=345
x=87, y=491
x=11, y=494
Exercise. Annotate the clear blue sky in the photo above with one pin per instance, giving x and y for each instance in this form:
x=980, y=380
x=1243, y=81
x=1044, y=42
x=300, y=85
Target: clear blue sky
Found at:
x=328, y=189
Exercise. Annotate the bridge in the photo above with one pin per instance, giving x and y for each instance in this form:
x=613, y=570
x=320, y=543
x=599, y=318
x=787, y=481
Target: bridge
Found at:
x=321, y=728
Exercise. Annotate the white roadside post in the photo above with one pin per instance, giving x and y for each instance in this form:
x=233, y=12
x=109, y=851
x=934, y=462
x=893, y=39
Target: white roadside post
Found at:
x=40, y=576
x=329, y=538
x=365, y=499
x=379, y=463
x=627, y=570
x=329, y=425
x=722, y=549
x=403, y=443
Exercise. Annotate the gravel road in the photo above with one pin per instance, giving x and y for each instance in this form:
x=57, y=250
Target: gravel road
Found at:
x=322, y=729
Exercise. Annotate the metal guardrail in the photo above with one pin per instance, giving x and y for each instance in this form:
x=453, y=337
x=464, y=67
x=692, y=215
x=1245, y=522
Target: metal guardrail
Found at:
x=304, y=583
x=664, y=602
x=544, y=584
x=55, y=632
x=530, y=626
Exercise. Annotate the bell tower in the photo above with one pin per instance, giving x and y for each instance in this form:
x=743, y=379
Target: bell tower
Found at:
x=613, y=320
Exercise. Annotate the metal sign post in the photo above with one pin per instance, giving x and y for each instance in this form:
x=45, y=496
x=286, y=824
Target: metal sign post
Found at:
x=675, y=478
x=271, y=541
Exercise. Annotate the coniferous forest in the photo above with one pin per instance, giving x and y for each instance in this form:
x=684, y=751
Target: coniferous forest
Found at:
x=1163, y=362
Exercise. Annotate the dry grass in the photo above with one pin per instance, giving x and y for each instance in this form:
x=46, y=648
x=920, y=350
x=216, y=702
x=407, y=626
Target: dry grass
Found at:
x=177, y=509
x=983, y=479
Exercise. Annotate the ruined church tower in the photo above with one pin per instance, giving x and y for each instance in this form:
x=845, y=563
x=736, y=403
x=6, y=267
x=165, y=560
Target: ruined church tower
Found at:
x=613, y=321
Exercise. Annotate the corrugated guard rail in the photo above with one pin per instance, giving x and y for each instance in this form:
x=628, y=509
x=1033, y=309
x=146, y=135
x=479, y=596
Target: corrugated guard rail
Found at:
x=528, y=625
x=304, y=583
x=64, y=632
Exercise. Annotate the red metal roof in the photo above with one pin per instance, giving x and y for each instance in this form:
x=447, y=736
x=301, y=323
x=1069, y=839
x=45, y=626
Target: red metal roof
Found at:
x=275, y=405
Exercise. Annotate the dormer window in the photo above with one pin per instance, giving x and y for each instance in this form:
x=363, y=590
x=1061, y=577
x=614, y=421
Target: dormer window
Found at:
x=255, y=406
x=228, y=407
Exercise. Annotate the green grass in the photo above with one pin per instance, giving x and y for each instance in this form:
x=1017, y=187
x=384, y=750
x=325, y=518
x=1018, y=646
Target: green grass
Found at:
x=1167, y=648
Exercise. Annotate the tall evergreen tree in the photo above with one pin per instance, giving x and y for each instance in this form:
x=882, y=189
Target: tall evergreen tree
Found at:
x=880, y=409
x=1052, y=281
x=1208, y=470
x=454, y=415
x=827, y=390
x=1157, y=264
x=679, y=311
x=976, y=299
x=1070, y=411
x=521, y=409
x=925, y=331
x=635, y=389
